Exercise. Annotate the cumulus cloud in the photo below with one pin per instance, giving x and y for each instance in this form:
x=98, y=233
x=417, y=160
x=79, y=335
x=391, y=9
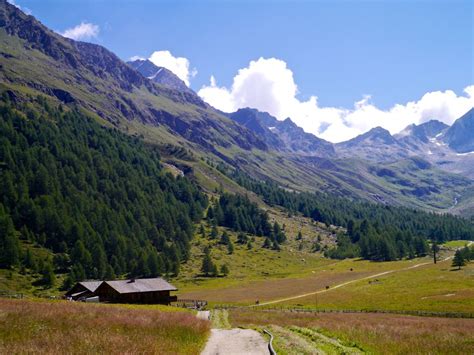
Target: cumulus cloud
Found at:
x=267, y=84
x=84, y=30
x=136, y=57
x=180, y=66
x=22, y=8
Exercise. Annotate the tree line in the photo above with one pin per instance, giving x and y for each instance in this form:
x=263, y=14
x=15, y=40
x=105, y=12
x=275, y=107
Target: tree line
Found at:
x=374, y=231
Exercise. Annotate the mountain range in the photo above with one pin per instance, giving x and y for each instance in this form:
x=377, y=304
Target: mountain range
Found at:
x=429, y=166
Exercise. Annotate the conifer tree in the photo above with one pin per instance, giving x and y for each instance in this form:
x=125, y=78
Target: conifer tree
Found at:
x=458, y=260
x=225, y=238
x=267, y=243
x=214, y=232
x=224, y=270
x=49, y=278
x=207, y=264
x=230, y=247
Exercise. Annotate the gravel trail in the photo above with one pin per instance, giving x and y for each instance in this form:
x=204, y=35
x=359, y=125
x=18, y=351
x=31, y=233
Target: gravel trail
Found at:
x=235, y=342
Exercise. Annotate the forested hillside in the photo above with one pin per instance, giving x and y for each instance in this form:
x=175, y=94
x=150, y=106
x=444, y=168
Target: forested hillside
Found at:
x=374, y=231
x=97, y=198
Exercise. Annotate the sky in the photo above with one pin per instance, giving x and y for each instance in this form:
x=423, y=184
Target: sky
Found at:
x=337, y=68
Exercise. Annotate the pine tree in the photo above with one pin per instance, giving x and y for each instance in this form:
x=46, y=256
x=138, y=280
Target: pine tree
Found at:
x=225, y=238
x=214, y=232
x=109, y=273
x=9, y=243
x=153, y=264
x=206, y=267
x=242, y=238
x=299, y=236
x=214, y=271
x=458, y=260
x=224, y=270
x=230, y=247
x=267, y=243
x=276, y=246
x=49, y=278
x=29, y=261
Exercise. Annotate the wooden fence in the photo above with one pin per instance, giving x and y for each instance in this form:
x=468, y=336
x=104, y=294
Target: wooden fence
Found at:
x=187, y=303
x=313, y=310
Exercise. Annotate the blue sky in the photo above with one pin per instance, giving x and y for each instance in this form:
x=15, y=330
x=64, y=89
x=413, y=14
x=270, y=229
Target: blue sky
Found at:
x=339, y=51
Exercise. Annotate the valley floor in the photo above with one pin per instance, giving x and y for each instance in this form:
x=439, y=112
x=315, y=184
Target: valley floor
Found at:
x=410, y=285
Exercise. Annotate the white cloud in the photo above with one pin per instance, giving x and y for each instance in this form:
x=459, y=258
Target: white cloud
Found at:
x=26, y=10
x=178, y=65
x=136, y=57
x=268, y=85
x=84, y=30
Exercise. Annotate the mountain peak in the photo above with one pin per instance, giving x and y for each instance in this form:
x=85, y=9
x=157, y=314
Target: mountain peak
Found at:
x=460, y=136
x=424, y=131
x=159, y=75
x=282, y=135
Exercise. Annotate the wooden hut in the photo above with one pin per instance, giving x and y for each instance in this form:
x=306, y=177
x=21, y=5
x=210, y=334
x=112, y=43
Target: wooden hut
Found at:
x=151, y=291
x=83, y=290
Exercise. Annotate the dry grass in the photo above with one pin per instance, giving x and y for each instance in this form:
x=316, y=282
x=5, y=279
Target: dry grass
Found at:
x=317, y=277
x=60, y=327
x=376, y=333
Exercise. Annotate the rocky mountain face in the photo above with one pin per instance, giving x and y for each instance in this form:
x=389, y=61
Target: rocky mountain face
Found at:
x=283, y=135
x=375, y=145
x=91, y=77
x=160, y=75
x=423, y=132
x=460, y=136
x=434, y=141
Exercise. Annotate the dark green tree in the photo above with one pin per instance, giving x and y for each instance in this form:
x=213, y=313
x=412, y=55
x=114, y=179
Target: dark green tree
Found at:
x=458, y=260
x=224, y=270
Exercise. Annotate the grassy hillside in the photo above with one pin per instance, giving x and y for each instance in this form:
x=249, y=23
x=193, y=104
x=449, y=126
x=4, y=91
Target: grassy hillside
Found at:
x=77, y=328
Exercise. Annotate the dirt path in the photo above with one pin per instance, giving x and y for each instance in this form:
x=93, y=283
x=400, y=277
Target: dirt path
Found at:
x=235, y=342
x=224, y=340
x=343, y=284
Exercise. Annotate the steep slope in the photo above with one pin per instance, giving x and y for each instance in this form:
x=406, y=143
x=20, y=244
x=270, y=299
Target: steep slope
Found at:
x=35, y=59
x=460, y=136
x=94, y=193
x=282, y=135
x=159, y=75
x=190, y=134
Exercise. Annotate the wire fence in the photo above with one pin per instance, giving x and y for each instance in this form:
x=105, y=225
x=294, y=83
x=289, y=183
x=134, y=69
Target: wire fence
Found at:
x=320, y=310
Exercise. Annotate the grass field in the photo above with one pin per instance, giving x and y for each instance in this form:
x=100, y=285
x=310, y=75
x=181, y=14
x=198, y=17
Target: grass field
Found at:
x=338, y=333
x=247, y=266
x=68, y=327
x=455, y=244
x=300, y=277
x=436, y=288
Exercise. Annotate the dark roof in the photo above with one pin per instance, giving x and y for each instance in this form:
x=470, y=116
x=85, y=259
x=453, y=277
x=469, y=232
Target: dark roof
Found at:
x=90, y=285
x=141, y=285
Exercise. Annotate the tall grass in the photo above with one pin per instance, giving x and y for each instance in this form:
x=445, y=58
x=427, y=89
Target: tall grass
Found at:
x=67, y=327
x=375, y=333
